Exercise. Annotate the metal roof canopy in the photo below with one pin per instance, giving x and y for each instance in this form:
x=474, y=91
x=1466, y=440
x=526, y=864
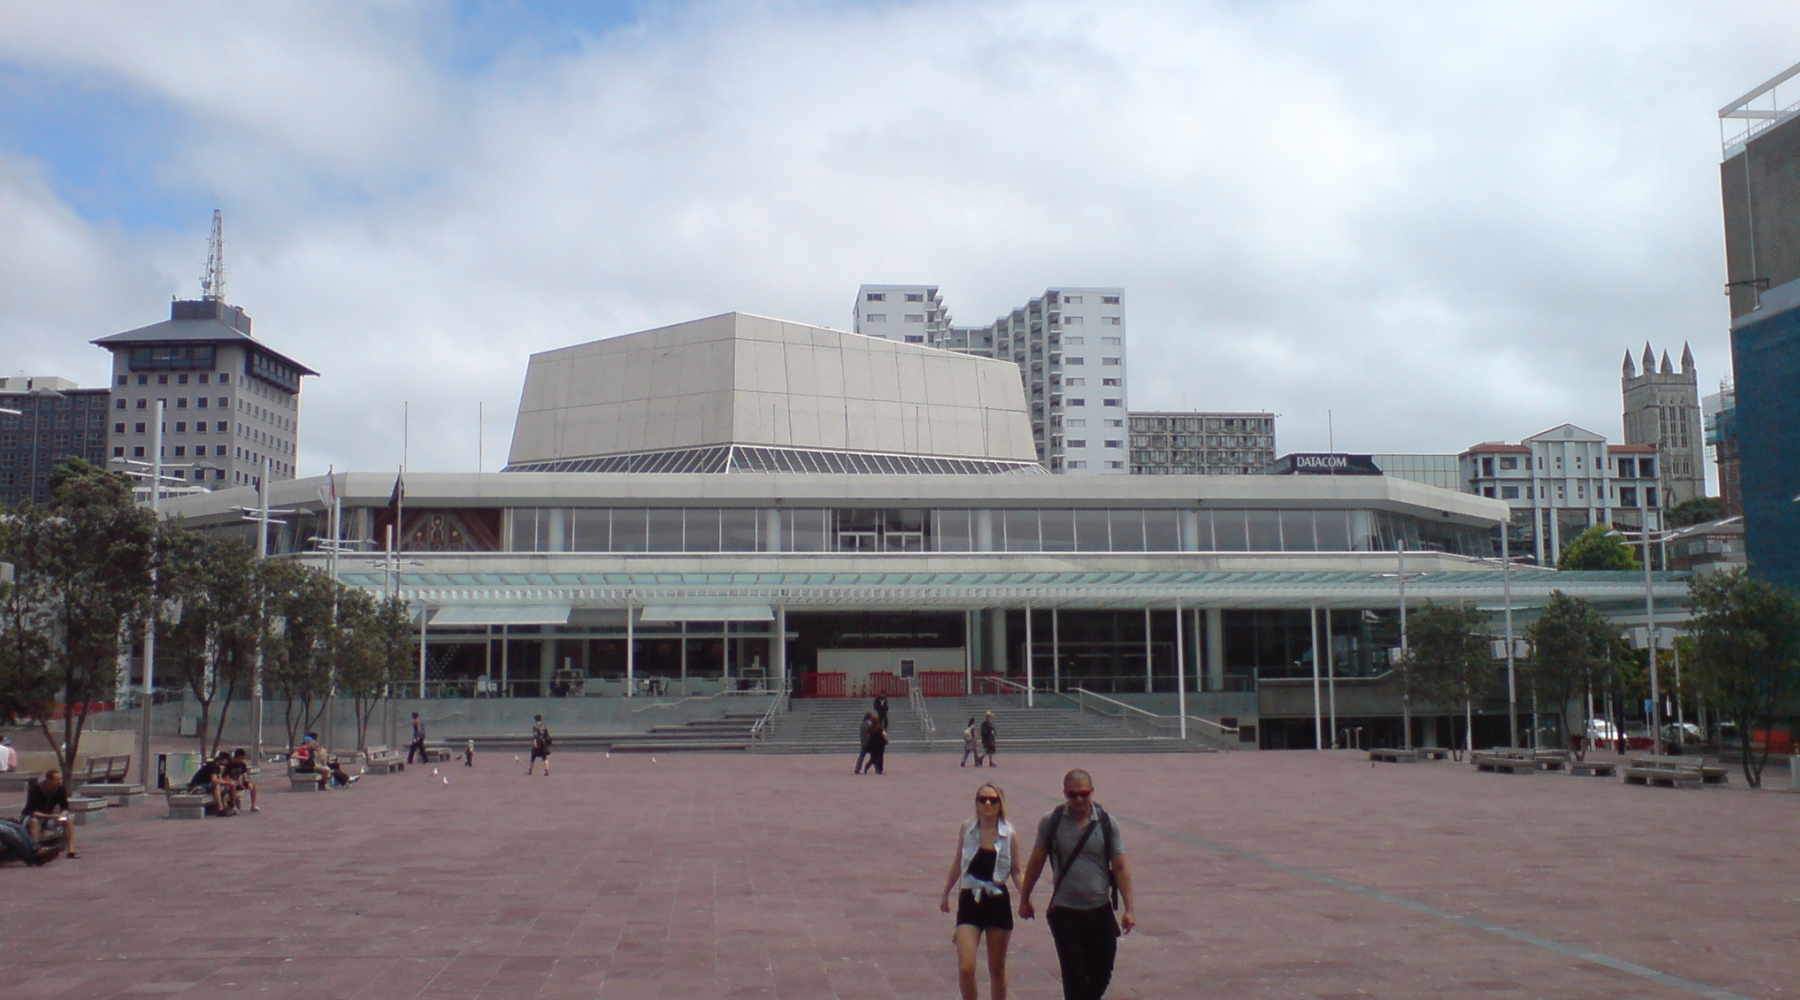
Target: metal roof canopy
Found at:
x=481, y=614
x=707, y=613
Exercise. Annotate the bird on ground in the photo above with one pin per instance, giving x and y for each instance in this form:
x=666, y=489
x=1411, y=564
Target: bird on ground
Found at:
x=446, y=781
x=434, y=770
x=653, y=760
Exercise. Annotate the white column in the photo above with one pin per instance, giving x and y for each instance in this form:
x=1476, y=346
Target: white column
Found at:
x=1181, y=667
x=1312, y=617
x=1055, y=650
x=779, y=647
x=1149, y=657
x=424, y=615
x=1030, y=686
x=1331, y=676
x=630, y=652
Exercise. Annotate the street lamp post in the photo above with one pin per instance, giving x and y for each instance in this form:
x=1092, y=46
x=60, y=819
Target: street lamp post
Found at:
x=1650, y=637
x=1512, y=679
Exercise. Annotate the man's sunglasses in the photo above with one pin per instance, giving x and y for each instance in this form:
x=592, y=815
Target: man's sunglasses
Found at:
x=987, y=800
x=1078, y=795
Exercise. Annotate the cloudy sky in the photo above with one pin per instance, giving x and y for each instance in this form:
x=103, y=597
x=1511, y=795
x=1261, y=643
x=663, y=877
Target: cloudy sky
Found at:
x=1443, y=222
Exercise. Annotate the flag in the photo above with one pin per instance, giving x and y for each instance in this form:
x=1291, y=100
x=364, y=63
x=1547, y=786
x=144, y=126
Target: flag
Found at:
x=328, y=493
x=399, y=495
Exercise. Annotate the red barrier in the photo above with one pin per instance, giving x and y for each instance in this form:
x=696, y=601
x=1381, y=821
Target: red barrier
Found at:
x=60, y=711
x=1773, y=740
x=817, y=685
x=941, y=683
x=886, y=682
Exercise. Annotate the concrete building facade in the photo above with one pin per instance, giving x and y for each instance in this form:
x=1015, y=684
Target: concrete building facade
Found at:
x=1759, y=179
x=1190, y=443
x=1561, y=482
x=1662, y=408
x=230, y=402
x=56, y=420
x=1069, y=345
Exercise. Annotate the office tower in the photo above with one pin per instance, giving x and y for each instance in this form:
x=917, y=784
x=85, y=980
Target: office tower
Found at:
x=1069, y=346
x=1760, y=187
x=1720, y=410
x=55, y=420
x=1189, y=443
x=229, y=400
x=1662, y=408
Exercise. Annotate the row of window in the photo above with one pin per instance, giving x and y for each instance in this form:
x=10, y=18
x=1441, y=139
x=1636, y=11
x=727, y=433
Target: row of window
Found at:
x=958, y=530
x=1627, y=496
x=1629, y=468
x=181, y=378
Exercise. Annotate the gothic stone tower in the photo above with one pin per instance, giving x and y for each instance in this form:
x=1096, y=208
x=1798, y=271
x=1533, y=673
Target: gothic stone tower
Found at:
x=1662, y=407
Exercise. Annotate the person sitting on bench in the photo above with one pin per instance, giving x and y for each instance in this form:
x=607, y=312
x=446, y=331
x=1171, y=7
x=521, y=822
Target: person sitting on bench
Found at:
x=211, y=780
x=309, y=758
x=237, y=771
x=47, y=805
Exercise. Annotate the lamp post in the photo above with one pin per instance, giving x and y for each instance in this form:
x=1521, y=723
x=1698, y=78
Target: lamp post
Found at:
x=1650, y=636
x=1397, y=657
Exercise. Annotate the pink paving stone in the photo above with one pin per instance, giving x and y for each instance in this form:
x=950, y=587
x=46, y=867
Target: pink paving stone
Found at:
x=746, y=876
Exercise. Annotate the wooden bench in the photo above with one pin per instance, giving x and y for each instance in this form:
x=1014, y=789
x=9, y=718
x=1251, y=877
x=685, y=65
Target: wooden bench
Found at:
x=1673, y=772
x=1593, y=768
x=1504, y=760
x=1390, y=756
x=305, y=781
x=103, y=770
x=116, y=794
x=184, y=804
x=381, y=760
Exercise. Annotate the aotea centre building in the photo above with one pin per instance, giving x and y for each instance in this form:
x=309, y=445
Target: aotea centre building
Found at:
x=741, y=503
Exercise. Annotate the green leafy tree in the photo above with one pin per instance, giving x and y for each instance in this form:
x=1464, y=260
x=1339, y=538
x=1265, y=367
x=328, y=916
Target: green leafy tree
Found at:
x=211, y=644
x=1451, y=667
x=371, y=654
x=1699, y=510
x=1747, y=646
x=82, y=566
x=1572, y=647
x=298, y=664
x=1598, y=548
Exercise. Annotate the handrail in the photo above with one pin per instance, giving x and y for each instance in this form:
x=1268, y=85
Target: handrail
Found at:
x=1151, y=720
x=915, y=699
x=699, y=697
x=760, y=730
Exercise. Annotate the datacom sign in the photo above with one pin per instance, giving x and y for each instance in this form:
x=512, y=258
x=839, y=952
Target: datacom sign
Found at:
x=1323, y=464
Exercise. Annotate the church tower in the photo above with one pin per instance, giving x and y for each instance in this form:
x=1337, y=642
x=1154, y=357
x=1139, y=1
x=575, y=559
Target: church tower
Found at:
x=1662, y=407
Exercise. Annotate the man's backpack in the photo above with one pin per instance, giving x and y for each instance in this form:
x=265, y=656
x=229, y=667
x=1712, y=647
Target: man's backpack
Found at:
x=1104, y=821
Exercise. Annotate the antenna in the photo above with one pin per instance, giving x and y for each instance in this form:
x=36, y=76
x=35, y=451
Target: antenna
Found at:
x=212, y=285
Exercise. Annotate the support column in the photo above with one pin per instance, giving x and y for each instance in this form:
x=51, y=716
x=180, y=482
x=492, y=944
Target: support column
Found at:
x=546, y=659
x=1312, y=618
x=778, y=649
x=1149, y=656
x=505, y=663
x=424, y=616
x=1331, y=676
x=968, y=652
x=1181, y=667
x=1215, y=649
x=630, y=652
x=997, y=641
x=1055, y=649
x=1030, y=686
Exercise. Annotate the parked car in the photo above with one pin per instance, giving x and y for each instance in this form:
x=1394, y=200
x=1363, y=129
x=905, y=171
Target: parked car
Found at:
x=1683, y=734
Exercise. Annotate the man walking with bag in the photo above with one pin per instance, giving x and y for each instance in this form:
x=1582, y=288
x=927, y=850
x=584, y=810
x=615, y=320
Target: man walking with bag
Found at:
x=417, y=746
x=1089, y=878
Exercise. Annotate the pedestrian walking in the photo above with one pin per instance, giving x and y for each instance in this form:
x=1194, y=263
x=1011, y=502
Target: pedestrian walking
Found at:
x=971, y=744
x=878, y=741
x=881, y=710
x=417, y=746
x=987, y=858
x=988, y=738
x=1090, y=879
x=540, y=745
x=869, y=723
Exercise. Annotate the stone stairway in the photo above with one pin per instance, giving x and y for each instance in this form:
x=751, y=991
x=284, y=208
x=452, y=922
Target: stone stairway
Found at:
x=831, y=725
x=727, y=732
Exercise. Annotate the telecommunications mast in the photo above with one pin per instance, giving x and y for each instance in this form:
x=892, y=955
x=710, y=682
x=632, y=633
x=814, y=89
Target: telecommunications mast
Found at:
x=212, y=284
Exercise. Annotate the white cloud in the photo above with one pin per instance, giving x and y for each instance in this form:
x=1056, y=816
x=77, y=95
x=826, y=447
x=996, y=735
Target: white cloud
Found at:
x=1444, y=223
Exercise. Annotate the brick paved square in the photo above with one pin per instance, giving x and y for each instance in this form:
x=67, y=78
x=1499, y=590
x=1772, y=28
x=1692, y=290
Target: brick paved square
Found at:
x=787, y=876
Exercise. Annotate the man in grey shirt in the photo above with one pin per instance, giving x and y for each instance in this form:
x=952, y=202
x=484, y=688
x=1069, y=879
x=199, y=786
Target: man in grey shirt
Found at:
x=1082, y=843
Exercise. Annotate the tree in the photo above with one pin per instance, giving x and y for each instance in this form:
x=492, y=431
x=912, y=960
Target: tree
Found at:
x=1450, y=664
x=1598, y=549
x=372, y=653
x=298, y=664
x=1747, y=645
x=82, y=567
x=1571, y=647
x=1699, y=510
x=212, y=644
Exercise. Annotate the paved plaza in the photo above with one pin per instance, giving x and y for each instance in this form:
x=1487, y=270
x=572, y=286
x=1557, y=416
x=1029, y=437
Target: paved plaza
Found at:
x=1291, y=874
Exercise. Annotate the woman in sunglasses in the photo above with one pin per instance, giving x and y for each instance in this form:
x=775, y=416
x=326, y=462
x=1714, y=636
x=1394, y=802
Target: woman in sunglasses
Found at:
x=987, y=857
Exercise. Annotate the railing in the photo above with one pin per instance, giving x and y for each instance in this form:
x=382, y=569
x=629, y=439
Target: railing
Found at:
x=1165, y=726
x=915, y=699
x=765, y=725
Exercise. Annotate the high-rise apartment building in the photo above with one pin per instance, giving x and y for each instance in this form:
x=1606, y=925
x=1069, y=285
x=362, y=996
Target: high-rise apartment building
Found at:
x=1662, y=408
x=1188, y=443
x=55, y=420
x=1760, y=186
x=229, y=401
x=1069, y=345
